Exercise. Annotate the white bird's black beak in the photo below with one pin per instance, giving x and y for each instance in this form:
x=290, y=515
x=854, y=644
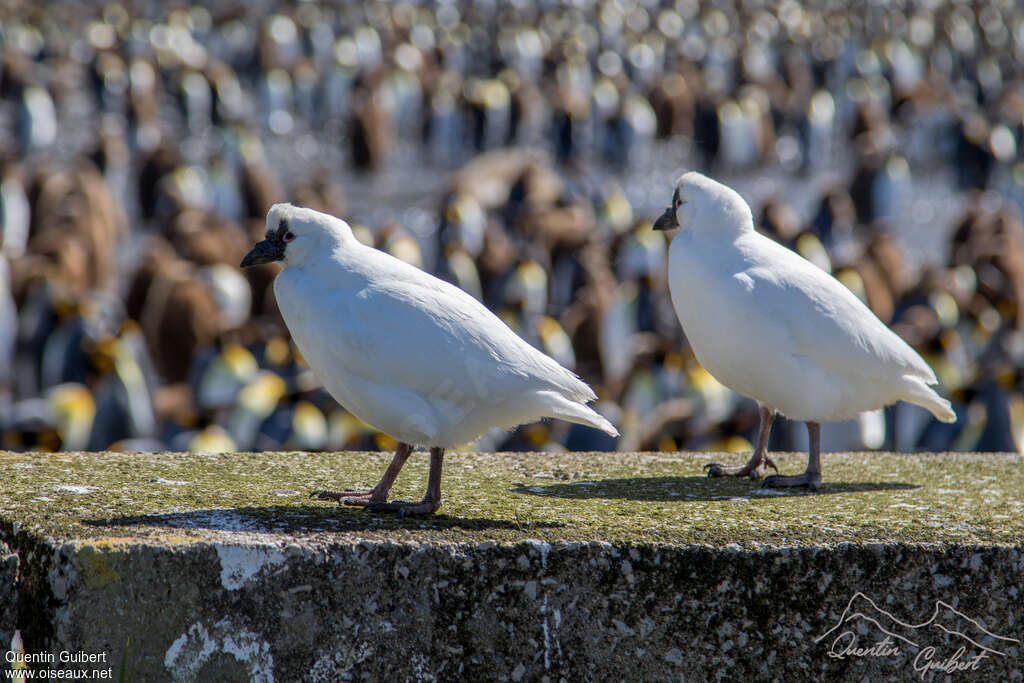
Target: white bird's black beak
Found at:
x=267, y=251
x=667, y=220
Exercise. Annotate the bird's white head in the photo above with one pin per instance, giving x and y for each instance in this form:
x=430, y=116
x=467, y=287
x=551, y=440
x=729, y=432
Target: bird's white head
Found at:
x=703, y=205
x=294, y=233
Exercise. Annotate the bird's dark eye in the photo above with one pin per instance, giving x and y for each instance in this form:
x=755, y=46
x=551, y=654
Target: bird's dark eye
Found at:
x=288, y=236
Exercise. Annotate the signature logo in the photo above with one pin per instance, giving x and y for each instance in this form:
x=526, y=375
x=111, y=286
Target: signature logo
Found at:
x=896, y=637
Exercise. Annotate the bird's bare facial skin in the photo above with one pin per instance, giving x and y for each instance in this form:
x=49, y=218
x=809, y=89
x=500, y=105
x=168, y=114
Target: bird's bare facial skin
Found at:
x=283, y=233
x=272, y=248
x=677, y=200
x=669, y=220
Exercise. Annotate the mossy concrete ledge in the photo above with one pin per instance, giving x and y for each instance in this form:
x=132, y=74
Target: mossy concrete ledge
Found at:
x=8, y=594
x=540, y=566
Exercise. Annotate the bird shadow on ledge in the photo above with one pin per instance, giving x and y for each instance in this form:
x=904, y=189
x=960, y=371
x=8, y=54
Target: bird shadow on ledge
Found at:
x=692, y=489
x=276, y=519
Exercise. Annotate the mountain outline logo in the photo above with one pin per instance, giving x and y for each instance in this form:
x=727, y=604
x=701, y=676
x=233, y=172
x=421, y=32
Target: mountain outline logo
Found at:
x=932, y=621
x=900, y=635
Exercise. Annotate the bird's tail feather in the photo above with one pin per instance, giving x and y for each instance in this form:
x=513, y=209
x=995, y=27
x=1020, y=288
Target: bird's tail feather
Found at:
x=919, y=393
x=565, y=409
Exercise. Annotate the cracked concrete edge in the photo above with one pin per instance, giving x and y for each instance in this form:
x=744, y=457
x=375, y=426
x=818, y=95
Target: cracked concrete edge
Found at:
x=240, y=610
x=8, y=595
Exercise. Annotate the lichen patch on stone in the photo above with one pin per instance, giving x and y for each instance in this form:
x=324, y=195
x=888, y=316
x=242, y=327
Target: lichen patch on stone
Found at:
x=239, y=564
x=191, y=651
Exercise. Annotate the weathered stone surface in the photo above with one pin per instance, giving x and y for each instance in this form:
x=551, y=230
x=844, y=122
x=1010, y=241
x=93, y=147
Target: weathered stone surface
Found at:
x=241, y=609
x=186, y=588
x=8, y=594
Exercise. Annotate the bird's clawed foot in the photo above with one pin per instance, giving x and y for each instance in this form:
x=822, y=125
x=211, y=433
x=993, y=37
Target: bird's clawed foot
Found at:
x=759, y=460
x=811, y=478
x=379, y=493
x=427, y=506
x=755, y=468
x=715, y=470
x=375, y=500
x=807, y=480
x=346, y=497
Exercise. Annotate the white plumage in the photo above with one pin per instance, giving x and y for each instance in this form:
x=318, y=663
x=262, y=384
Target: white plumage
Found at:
x=772, y=326
x=409, y=354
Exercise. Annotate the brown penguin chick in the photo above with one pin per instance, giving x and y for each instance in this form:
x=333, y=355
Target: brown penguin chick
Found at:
x=673, y=103
x=581, y=320
x=779, y=221
x=205, y=238
x=17, y=71
x=985, y=233
x=260, y=188
x=917, y=325
x=158, y=253
x=1010, y=233
x=370, y=130
x=889, y=256
x=27, y=272
x=77, y=202
x=111, y=151
x=491, y=177
x=1008, y=229
x=176, y=403
x=64, y=258
x=261, y=278
x=542, y=186
x=876, y=288
x=991, y=245
x=562, y=226
x=321, y=194
x=45, y=190
x=1000, y=273
x=103, y=220
x=179, y=317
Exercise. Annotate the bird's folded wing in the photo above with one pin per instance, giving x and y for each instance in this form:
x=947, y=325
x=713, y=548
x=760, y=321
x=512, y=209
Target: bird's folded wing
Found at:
x=826, y=323
x=438, y=341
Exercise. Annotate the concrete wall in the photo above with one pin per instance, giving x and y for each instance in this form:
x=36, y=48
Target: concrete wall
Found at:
x=8, y=596
x=305, y=610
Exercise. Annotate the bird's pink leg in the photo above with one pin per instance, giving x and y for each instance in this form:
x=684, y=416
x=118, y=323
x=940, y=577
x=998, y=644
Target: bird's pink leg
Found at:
x=431, y=499
x=811, y=478
x=759, y=459
x=378, y=493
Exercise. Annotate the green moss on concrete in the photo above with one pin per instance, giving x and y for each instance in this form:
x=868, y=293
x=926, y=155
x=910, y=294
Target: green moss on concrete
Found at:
x=97, y=566
x=616, y=497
